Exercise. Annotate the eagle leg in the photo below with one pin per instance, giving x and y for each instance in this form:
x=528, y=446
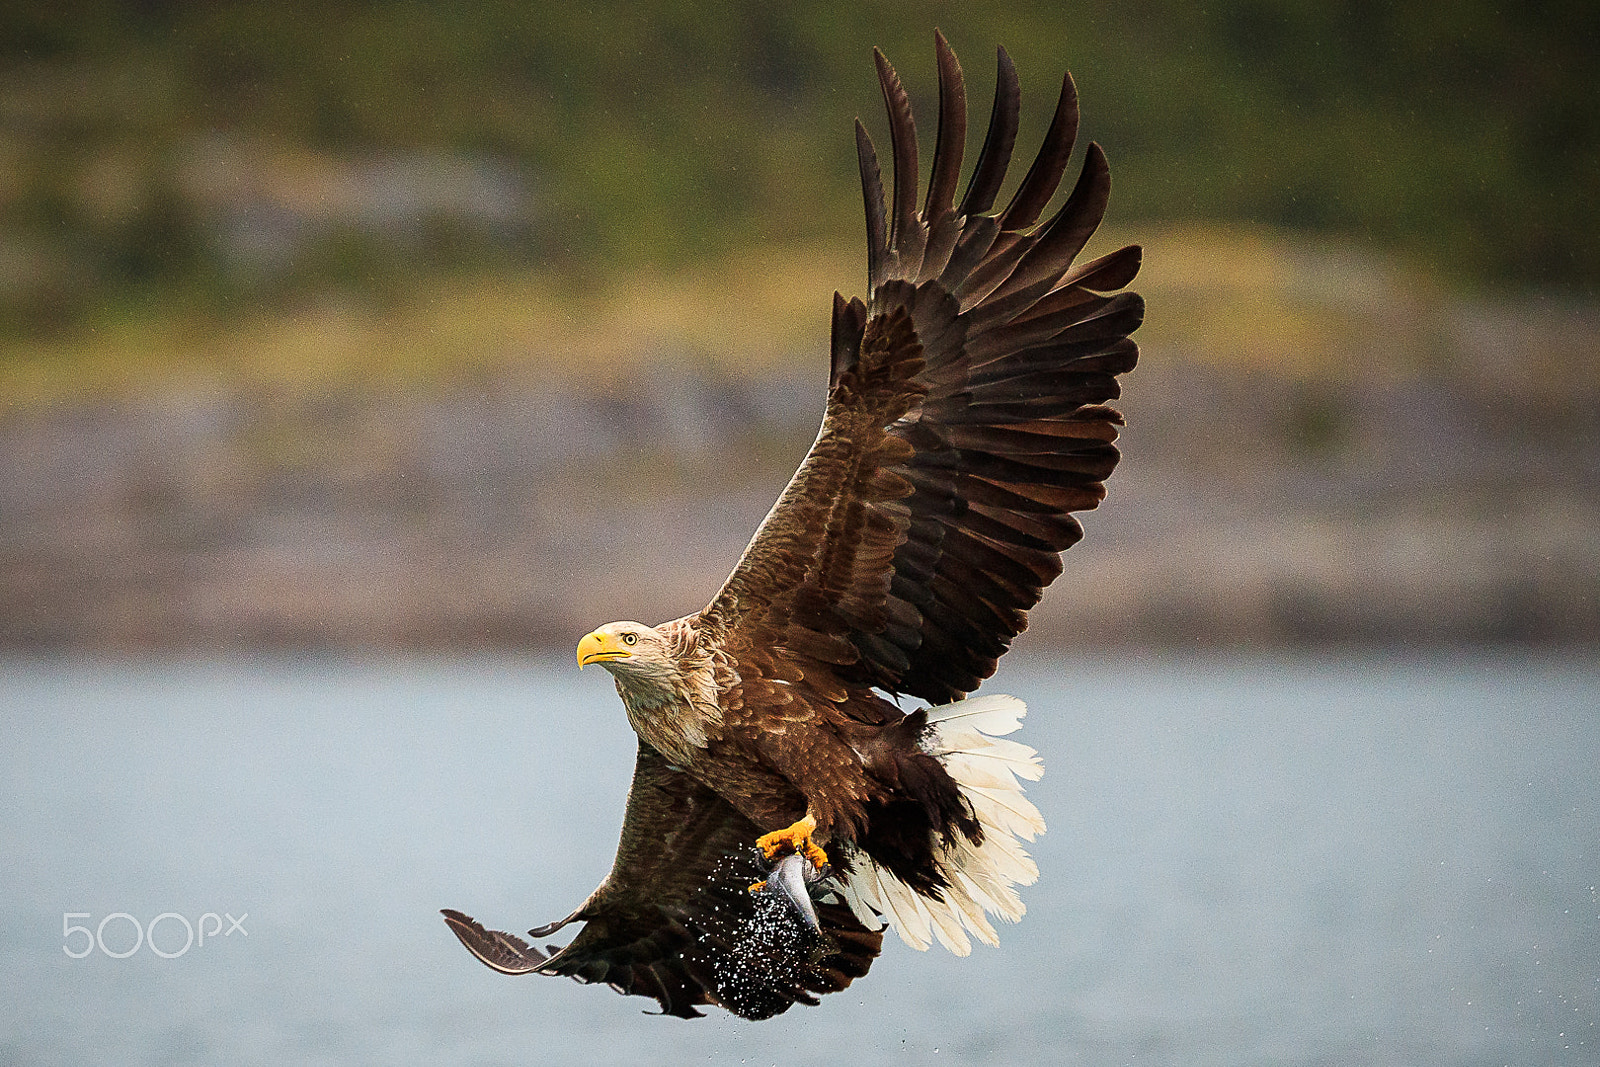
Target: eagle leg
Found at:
x=794, y=838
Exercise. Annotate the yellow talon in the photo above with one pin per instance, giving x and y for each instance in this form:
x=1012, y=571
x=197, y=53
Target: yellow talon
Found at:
x=756, y=887
x=790, y=839
x=795, y=838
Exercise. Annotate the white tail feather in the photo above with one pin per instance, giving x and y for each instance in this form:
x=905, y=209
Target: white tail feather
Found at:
x=1009, y=811
x=982, y=877
x=1019, y=759
x=994, y=714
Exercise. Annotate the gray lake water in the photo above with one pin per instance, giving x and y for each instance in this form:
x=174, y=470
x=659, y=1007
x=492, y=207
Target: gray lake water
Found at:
x=1273, y=861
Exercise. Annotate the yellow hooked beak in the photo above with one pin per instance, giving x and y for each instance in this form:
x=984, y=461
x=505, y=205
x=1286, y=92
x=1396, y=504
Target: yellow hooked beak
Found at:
x=599, y=647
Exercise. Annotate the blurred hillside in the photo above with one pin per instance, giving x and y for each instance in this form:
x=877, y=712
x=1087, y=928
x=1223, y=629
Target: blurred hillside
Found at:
x=414, y=326
x=208, y=157
x=1321, y=448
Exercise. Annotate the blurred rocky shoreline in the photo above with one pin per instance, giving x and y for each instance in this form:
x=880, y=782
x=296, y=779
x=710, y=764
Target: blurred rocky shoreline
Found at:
x=1443, y=506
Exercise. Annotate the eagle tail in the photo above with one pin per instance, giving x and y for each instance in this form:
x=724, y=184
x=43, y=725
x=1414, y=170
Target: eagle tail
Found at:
x=967, y=739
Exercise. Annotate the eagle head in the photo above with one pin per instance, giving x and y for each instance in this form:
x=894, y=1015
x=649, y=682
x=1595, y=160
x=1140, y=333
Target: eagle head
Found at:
x=626, y=649
x=660, y=699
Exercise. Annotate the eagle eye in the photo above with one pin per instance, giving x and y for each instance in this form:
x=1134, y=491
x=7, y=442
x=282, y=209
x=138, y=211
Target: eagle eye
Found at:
x=630, y=639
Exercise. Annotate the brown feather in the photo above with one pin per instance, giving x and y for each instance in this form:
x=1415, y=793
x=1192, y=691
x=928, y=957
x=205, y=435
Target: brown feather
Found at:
x=995, y=155
x=1045, y=174
x=952, y=139
x=907, y=235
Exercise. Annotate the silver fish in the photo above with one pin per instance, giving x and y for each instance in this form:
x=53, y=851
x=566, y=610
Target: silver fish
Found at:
x=790, y=879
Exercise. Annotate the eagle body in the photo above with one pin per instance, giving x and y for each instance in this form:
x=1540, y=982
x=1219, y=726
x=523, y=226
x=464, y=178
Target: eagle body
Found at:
x=783, y=747
x=966, y=421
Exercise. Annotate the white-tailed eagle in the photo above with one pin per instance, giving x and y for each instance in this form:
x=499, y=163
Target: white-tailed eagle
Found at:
x=966, y=421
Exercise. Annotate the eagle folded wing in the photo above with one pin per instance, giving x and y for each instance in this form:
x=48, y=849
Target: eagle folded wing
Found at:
x=966, y=415
x=674, y=920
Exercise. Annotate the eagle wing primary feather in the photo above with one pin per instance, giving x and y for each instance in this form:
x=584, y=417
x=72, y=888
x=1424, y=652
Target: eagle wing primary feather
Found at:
x=673, y=919
x=966, y=415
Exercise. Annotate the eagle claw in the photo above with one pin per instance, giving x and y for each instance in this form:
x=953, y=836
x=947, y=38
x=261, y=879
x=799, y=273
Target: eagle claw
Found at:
x=794, y=838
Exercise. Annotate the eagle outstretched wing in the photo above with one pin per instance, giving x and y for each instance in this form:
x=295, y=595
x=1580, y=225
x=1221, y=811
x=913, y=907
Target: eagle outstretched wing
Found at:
x=675, y=919
x=966, y=415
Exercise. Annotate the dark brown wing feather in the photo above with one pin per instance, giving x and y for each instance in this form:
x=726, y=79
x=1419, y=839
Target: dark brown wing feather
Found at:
x=675, y=920
x=966, y=415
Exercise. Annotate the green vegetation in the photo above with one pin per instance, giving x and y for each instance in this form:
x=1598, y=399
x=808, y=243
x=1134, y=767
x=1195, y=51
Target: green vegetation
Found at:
x=1315, y=313
x=145, y=149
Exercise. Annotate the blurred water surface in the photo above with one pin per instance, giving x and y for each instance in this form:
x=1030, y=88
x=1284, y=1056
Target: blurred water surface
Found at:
x=1268, y=861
